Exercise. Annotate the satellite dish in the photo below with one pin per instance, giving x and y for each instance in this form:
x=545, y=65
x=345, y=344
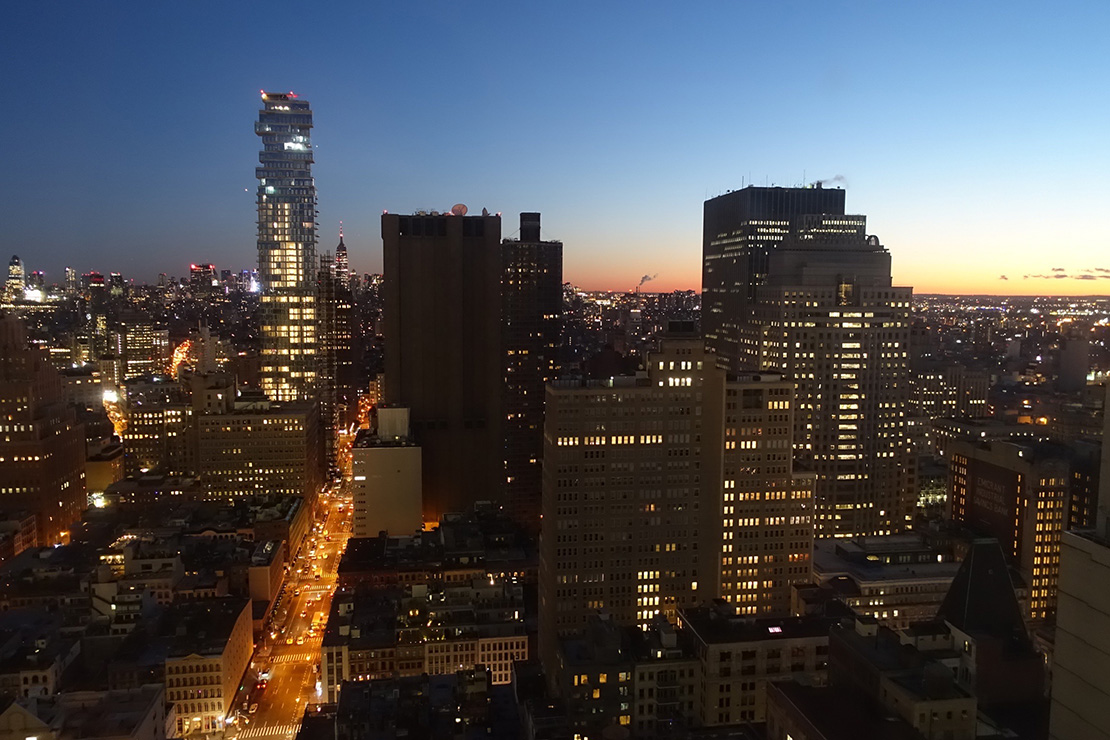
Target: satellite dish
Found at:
x=458, y=209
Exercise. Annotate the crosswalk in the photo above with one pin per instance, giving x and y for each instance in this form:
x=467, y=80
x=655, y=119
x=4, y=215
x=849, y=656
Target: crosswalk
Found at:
x=286, y=730
x=309, y=656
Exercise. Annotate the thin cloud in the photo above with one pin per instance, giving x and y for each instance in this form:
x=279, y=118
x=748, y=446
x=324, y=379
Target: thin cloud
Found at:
x=1059, y=273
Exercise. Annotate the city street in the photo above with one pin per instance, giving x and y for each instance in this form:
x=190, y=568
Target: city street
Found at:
x=284, y=674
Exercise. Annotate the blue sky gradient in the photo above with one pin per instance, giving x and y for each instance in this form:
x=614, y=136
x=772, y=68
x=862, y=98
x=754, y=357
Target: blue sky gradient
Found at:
x=974, y=136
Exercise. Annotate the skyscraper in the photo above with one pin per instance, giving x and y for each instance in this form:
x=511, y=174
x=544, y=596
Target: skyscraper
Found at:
x=287, y=247
x=668, y=489
x=792, y=284
x=532, y=309
x=345, y=341
x=326, y=368
x=443, y=360
x=740, y=230
x=17, y=278
x=471, y=329
x=342, y=263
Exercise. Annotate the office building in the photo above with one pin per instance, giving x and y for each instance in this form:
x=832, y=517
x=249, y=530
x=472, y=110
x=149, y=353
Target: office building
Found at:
x=145, y=347
x=1081, y=657
x=1017, y=494
x=898, y=579
x=740, y=231
x=203, y=280
x=668, y=489
x=42, y=448
x=531, y=315
x=423, y=628
x=347, y=383
x=259, y=447
x=17, y=279
x=972, y=672
x=471, y=329
x=327, y=289
x=443, y=360
x=287, y=248
x=385, y=473
x=792, y=284
x=70, y=281
x=157, y=417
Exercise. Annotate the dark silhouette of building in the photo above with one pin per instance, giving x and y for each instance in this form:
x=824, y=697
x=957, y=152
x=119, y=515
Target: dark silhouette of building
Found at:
x=471, y=331
x=327, y=354
x=42, y=446
x=443, y=359
x=531, y=316
x=345, y=341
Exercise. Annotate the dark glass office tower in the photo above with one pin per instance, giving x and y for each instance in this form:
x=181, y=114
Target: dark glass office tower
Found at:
x=740, y=229
x=287, y=248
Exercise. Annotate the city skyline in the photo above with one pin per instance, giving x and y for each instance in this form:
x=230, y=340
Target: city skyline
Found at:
x=949, y=124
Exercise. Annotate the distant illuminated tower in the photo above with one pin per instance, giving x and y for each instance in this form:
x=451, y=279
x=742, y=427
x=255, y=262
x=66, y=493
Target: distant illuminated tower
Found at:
x=17, y=280
x=71, y=281
x=287, y=247
x=202, y=279
x=342, y=266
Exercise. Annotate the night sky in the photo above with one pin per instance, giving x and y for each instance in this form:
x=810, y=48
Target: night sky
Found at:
x=973, y=135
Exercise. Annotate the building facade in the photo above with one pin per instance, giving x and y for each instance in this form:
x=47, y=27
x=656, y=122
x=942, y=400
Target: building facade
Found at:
x=260, y=449
x=668, y=489
x=42, y=445
x=1017, y=494
x=287, y=247
x=793, y=285
x=385, y=473
x=442, y=310
x=532, y=308
x=210, y=650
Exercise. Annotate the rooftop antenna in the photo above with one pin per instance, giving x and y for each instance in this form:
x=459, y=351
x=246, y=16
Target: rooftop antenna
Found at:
x=340, y=231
